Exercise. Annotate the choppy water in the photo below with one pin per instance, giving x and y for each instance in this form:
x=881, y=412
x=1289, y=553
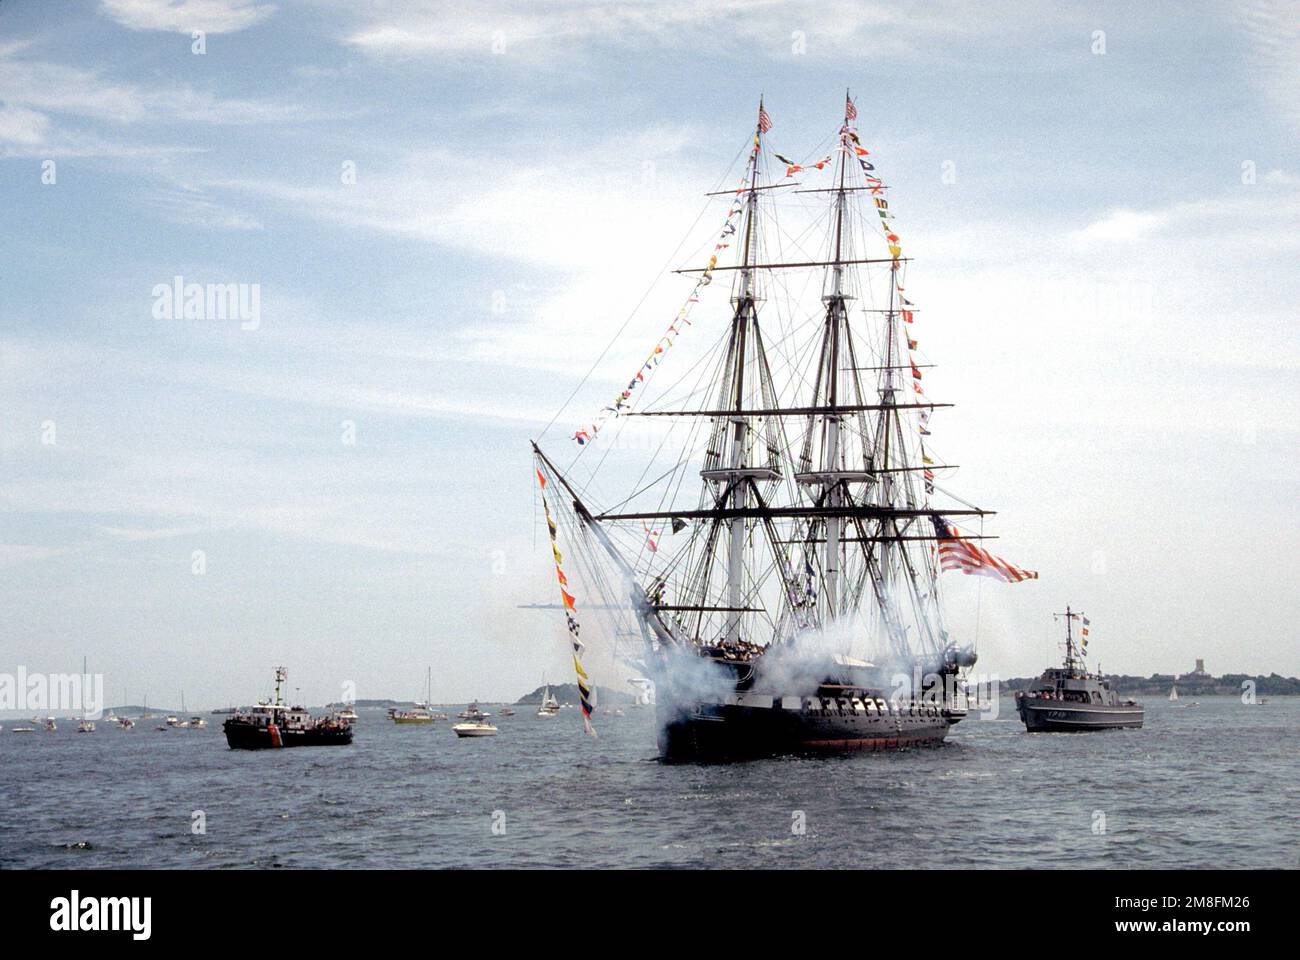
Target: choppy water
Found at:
x=1214, y=785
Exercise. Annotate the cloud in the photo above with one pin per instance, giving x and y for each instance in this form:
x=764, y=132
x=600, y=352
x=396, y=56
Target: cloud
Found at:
x=759, y=27
x=187, y=205
x=21, y=126
x=1122, y=225
x=1273, y=61
x=1247, y=214
x=38, y=88
x=507, y=206
x=185, y=16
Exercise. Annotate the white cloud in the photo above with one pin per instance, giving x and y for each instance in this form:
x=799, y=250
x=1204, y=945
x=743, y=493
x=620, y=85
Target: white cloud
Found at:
x=185, y=16
x=1122, y=225
x=761, y=27
x=19, y=125
x=189, y=205
x=54, y=88
x=1273, y=31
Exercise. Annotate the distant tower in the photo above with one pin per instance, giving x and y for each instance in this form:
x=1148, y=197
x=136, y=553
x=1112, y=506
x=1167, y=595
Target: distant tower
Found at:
x=1200, y=667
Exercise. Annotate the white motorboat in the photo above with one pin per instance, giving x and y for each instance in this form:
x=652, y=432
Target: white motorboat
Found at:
x=474, y=728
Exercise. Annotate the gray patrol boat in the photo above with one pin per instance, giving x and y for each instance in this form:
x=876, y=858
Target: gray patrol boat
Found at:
x=1070, y=698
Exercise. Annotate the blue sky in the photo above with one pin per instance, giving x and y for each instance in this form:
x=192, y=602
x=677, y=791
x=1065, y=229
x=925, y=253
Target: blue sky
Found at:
x=1110, y=285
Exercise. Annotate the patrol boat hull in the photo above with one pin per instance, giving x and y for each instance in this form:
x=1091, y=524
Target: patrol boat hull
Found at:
x=245, y=736
x=1052, y=716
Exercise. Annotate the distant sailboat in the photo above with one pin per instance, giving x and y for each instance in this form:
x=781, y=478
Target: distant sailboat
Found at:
x=1173, y=693
x=422, y=712
x=550, y=706
x=85, y=724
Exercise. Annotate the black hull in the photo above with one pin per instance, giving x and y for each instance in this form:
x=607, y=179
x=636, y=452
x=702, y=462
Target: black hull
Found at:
x=713, y=732
x=248, y=737
x=1048, y=716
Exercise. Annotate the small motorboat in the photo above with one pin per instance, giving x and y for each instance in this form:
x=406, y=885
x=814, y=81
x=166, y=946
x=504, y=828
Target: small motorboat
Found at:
x=473, y=714
x=23, y=730
x=85, y=726
x=474, y=728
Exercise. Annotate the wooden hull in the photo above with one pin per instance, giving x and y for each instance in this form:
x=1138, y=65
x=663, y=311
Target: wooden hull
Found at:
x=709, y=732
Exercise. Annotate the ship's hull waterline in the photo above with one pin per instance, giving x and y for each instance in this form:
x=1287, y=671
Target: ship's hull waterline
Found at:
x=727, y=731
x=1047, y=716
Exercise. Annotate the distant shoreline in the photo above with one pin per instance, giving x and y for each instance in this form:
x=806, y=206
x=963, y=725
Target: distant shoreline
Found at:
x=1158, y=684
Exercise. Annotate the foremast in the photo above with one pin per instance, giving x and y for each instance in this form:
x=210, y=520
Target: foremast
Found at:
x=741, y=464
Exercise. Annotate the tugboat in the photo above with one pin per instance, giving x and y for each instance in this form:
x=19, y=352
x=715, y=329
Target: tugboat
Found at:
x=1070, y=698
x=273, y=724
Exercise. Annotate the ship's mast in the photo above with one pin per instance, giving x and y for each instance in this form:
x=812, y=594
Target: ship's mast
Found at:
x=1070, y=659
x=743, y=302
x=832, y=458
x=855, y=519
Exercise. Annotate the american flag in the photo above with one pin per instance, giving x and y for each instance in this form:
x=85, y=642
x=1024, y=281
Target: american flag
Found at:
x=764, y=121
x=850, y=111
x=957, y=553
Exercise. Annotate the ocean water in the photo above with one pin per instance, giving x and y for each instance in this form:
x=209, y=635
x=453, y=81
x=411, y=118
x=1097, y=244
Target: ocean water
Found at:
x=1213, y=785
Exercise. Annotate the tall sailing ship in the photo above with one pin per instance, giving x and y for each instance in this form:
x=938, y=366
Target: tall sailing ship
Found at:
x=774, y=569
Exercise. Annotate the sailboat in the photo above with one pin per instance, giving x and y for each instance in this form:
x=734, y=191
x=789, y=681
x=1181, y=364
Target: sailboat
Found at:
x=550, y=707
x=1173, y=693
x=85, y=724
x=421, y=713
x=776, y=564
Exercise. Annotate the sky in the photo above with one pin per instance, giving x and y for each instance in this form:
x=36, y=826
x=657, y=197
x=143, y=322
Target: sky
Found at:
x=448, y=210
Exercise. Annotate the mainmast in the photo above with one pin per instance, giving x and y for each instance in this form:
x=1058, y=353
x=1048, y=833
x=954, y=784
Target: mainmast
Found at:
x=731, y=483
x=833, y=460
x=744, y=311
